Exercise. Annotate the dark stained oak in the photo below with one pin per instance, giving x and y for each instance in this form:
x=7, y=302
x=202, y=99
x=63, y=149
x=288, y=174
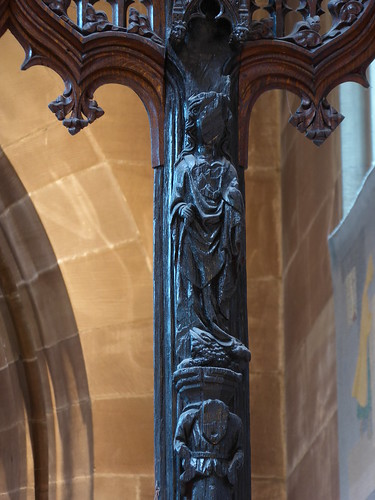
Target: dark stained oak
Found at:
x=198, y=67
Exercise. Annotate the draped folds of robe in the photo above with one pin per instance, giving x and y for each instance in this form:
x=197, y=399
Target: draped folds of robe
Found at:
x=207, y=248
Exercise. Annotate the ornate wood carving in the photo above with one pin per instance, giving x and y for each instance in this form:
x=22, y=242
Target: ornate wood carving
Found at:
x=85, y=61
x=207, y=221
x=316, y=121
x=344, y=53
x=199, y=68
x=208, y=441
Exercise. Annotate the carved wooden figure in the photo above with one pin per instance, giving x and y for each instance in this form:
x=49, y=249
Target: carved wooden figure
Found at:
x=198, y=66
x=208, y=440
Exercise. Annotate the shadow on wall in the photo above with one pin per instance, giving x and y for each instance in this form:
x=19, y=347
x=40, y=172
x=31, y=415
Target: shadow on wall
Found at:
x=45, y=416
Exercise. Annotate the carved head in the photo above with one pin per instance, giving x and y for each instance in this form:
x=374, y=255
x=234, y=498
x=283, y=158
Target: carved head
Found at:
x=207, y=122
x=214, y=420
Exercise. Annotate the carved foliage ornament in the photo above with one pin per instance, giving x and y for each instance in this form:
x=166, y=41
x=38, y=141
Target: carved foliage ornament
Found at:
x=305, y=33
x=344, y=13
x=317, y=122
x=139, y=24
x=97, y=21
x=77, y=107
x=77, y=110
x=60, y=7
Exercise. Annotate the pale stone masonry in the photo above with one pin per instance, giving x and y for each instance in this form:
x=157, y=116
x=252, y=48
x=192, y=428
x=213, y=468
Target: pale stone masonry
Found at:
x=94, y=195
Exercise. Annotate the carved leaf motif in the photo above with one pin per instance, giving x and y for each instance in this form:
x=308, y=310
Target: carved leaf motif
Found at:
x=317, y=122
x=60, y=7
x=306, y=33
x=67, y=103
x=63, y=105
x=95, y=21
x=140, y=25
x=261, y=29
x=344, y=13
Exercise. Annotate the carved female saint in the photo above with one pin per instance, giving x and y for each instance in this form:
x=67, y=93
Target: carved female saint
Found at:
x=207, y=219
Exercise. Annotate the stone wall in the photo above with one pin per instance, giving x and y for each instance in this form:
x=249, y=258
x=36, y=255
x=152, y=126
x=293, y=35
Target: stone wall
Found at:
x=264, y=271
x=93, y=194
x=311, y=202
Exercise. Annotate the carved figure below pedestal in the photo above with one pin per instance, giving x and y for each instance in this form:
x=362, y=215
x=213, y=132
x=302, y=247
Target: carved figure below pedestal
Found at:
x=208, y=440
x=207, y=213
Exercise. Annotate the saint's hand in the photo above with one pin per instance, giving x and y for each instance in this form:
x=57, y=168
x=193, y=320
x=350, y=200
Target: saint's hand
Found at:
x=189, y=473
x=235, y=465
x=187, y=212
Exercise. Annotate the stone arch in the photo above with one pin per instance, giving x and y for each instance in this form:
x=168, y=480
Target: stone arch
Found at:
x=42, y=356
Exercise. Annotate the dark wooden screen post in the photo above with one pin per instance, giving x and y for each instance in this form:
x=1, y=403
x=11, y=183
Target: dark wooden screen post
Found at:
x=199, y=66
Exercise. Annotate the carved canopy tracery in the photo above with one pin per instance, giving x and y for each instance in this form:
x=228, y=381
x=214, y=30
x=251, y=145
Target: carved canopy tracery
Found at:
x=88, y=48
x=343, y=54
x=87, y=61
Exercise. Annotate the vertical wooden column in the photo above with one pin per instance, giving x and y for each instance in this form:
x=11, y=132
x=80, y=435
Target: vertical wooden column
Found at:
x=201, y=357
